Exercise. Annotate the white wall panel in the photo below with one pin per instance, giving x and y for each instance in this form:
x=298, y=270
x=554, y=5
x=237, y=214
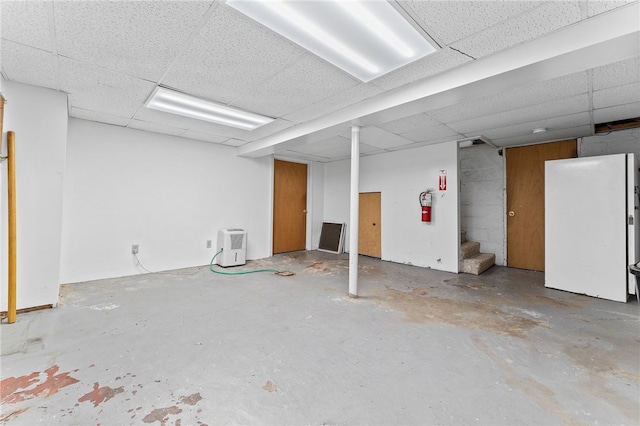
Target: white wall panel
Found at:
x=400, y=177
x=167, y=194
x=39, y=119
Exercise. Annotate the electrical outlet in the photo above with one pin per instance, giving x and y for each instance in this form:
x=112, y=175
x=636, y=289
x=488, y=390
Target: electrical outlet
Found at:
x=208, y=243
x=134, y=249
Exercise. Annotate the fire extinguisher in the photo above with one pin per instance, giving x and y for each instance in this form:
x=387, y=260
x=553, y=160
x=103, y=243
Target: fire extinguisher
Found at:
x=425, y=202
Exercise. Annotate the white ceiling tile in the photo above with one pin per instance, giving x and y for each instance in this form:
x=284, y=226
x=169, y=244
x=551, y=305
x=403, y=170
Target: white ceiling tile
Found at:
x=340, y=152
x=543, y=111
x=552, y=135
x=231, y=56
x=323, y=145
x=432, y=133
x=430, y=65
x=432, y=141
x=268, y=129
x=331, y=149
x=548, y=17
x=449, y=21
x=207, y=137
x=616, y=95
x=408, y=124
x=156, y=127
x=307, y=81
x=334, y=103
x=27, y=22
x=365, y=148
x=234, y=142
x=616, y=74
x=288, y=154
x=137, y=38
x=532, y=94
x=619, y=112
x=28, y=65
x=596, y=7
x=382, y=139
x=552, y=124
x=98, y=117
x=102, y=90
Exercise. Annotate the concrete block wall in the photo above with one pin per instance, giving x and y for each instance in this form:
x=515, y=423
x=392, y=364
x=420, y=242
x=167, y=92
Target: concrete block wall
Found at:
x=482, y=198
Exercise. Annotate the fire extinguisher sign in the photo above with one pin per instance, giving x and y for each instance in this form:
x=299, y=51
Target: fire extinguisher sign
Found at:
x=442, y=180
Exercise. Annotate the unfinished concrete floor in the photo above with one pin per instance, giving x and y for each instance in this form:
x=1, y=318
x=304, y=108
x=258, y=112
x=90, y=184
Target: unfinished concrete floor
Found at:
x=418, y=347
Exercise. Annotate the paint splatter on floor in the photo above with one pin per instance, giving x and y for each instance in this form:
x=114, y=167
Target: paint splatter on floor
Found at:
x=100, y=394
x=270, y=386
x=161, y=415
x=17, y=389
x=191, y=399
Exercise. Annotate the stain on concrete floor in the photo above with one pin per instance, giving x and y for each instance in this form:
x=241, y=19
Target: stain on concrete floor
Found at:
x=100, y=394
x=419, y=307
x=548, y=357
x=17, y=389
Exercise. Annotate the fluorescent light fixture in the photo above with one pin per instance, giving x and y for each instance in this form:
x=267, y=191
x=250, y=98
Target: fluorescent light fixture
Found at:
x=366, y=38
x=163, y=99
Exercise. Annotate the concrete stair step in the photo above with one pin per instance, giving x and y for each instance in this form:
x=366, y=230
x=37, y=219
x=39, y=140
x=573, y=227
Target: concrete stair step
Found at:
x=478, y=264
x=470, y=249
x=463, y=236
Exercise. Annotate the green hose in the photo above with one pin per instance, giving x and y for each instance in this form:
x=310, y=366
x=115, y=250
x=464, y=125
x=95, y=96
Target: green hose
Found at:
x=239, y=272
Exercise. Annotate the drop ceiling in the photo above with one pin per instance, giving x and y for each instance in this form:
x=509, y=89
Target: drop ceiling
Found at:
x=503, y=69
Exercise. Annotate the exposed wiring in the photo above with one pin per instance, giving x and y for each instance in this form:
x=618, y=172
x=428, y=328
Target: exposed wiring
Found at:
x=217, y=271
x=199, y=268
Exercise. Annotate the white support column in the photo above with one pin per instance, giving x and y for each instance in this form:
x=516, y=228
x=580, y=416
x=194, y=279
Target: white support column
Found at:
x=354, y=210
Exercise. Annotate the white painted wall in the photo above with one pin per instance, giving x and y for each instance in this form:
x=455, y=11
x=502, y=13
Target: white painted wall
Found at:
x=482, y=198
x=39, y=118
x=165, y=193
x=316, y=204
x=400, y=177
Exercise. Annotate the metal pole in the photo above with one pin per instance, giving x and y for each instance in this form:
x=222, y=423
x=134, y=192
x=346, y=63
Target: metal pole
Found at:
x=11, y=190
x=354, y=211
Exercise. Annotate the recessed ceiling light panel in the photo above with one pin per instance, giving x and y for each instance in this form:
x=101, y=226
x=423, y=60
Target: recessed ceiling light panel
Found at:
x=367, y=39
x=163, y=99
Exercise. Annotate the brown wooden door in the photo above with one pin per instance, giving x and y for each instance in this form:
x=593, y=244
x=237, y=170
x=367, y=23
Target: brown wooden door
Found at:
x=525, y=201
x=289, y=206
x=369, y=225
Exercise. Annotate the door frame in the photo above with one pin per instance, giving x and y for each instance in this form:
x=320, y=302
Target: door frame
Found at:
x=310, y=215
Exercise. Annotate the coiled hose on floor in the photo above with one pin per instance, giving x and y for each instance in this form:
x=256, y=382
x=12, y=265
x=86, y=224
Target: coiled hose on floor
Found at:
x=251, y=271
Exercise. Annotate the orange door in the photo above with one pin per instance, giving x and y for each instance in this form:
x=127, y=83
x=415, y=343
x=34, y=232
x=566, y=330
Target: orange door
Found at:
x=289, y=206
x=525, y=201
x=369, y=227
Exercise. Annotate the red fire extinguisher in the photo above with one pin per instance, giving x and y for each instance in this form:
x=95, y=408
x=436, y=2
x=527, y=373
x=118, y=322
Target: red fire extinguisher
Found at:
x=425, y=202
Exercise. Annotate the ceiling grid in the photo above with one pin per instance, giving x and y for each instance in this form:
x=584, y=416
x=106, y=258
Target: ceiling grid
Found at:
x=110, y=56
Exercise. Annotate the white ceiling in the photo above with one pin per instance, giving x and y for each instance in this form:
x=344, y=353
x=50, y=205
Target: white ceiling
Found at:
x=504, y=69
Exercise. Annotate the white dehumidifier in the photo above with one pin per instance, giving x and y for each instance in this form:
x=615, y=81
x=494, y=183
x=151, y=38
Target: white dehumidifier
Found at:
x=233, y=243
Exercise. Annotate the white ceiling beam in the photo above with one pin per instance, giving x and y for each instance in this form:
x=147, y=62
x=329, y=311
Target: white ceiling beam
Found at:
x=610, y=37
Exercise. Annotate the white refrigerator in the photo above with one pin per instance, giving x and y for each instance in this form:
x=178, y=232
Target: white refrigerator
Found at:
x=591, y=225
